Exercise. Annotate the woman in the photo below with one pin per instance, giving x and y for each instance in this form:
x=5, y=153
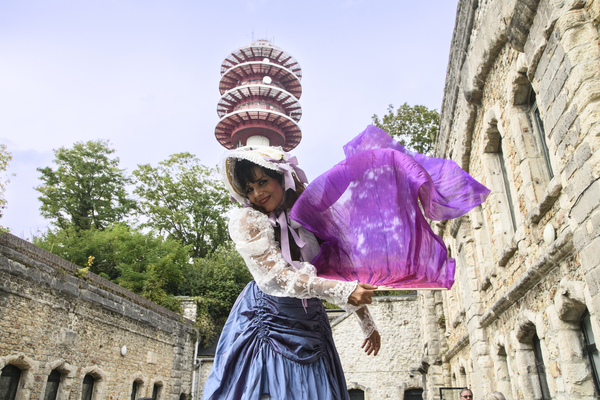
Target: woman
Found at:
x=277, y=342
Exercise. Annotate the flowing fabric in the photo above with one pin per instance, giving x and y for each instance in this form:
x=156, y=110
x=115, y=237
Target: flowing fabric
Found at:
x=273, y=345
x=370, y=212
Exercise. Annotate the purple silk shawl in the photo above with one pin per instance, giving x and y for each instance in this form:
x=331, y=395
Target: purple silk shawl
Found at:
x=370, y=211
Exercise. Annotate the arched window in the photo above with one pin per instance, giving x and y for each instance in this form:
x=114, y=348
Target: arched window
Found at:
x=413, y=394
x=540, y=134
x=87, y=389
x=9, y=382
x=590, y=347
x=156, y=391
x=356, y=394
x=507, y=191
x=134, y=390
x=52, y=385
x=541, y=368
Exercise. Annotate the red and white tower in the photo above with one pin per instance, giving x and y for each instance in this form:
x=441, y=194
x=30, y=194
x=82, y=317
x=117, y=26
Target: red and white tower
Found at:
x=260, y=87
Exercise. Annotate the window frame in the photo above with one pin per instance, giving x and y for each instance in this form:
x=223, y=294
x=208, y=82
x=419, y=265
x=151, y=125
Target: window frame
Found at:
x=590, y=348
x=91, y=390
x=52, y=378
x=540, y=368
x=8, y=371
x=537, y=124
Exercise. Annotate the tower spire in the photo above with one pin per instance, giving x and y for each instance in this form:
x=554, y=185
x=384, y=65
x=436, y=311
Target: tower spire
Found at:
x=260, y=88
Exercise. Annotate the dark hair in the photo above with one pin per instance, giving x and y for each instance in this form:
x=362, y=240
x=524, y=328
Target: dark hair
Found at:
x=244, y=173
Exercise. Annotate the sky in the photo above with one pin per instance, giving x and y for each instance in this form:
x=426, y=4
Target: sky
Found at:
x=144, y=74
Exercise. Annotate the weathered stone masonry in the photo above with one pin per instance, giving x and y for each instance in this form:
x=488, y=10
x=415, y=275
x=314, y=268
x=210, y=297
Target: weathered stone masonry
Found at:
x=528, y=260
x=53, y=320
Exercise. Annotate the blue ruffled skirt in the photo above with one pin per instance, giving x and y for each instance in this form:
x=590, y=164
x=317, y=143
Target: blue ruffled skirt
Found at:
x=272, y=345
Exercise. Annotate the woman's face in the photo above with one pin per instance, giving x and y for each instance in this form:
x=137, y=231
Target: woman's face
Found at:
x=265, y=193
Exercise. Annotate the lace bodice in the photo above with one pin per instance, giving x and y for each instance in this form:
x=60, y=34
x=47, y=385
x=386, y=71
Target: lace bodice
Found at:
x=254, y=238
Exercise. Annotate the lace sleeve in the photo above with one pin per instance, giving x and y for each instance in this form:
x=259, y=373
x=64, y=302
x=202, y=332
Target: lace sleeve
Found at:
x=254, y=239
x=364, y=317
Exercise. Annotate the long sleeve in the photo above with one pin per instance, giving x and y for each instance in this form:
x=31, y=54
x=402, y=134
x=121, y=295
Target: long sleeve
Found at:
x=254, y=238
x=364, y=318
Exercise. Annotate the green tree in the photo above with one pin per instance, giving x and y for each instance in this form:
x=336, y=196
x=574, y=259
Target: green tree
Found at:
x=145, y=263
x=415, y=127
x=184, y=200
x=5, y=158
x=215, y=281
x=86, y=190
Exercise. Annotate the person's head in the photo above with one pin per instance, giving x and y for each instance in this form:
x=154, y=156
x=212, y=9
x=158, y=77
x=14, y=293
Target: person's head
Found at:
x=264, y=177
x=498, y=396
x=466, y=394
x=262, y=186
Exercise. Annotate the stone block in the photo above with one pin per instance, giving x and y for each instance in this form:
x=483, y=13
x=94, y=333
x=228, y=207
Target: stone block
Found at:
x=588, y=92
x=67, y=337
x=582, y=153
x=592, y=278
x=562, y=126
x=583, y=60
x=579, y=35
x=590, y=258
x=555, y=111
x=588, y=201
x=67, y=288
x=558, y=81
x=571, y=19
x=593, y=8
x=545, y=58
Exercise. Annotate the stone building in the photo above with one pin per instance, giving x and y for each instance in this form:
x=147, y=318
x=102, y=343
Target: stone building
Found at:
x=521, y=113
x=67, y=337
x=389, y=375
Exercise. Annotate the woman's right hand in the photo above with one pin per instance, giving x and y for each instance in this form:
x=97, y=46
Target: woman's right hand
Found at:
x=362, y=294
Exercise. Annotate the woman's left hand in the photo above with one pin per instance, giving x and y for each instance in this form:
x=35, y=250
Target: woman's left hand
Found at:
x=372, y=344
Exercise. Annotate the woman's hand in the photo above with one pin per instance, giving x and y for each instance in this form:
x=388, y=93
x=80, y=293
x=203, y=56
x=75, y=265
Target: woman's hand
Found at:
x=362, y=294
x=372, y=344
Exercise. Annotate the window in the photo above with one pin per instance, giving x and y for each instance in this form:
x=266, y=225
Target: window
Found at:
x=511, y=208
x=538, y=128
x=356, y=394
x=541, y=368
x=134, y=390
x=52, y=385
x=9, y=382
x=87, y=389
x=590, y=348
x=156, y=392
x=413, y=394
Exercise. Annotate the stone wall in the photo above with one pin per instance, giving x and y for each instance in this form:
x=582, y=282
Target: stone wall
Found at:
x=53, y=320
x=390, y=373
x=527, y=259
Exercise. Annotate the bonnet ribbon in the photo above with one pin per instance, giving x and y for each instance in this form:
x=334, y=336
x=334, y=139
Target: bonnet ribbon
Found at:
x=287, y=166
x=278, y=218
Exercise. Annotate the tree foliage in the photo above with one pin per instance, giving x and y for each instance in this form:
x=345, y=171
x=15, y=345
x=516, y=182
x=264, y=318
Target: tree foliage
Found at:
x=5, y=157
x=87, y=189
x=215, y=281
x=182, y=246
x=184, y=200
x=415, y=127
x=145, y=263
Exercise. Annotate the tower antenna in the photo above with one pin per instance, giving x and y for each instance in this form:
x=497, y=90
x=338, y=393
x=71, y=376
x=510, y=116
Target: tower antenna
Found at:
x=260, y=91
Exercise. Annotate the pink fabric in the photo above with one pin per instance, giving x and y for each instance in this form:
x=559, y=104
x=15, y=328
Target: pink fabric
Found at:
x=366, y=210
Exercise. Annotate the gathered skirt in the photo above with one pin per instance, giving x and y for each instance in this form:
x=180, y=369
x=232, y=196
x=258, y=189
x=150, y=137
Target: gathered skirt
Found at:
x=276, y=346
